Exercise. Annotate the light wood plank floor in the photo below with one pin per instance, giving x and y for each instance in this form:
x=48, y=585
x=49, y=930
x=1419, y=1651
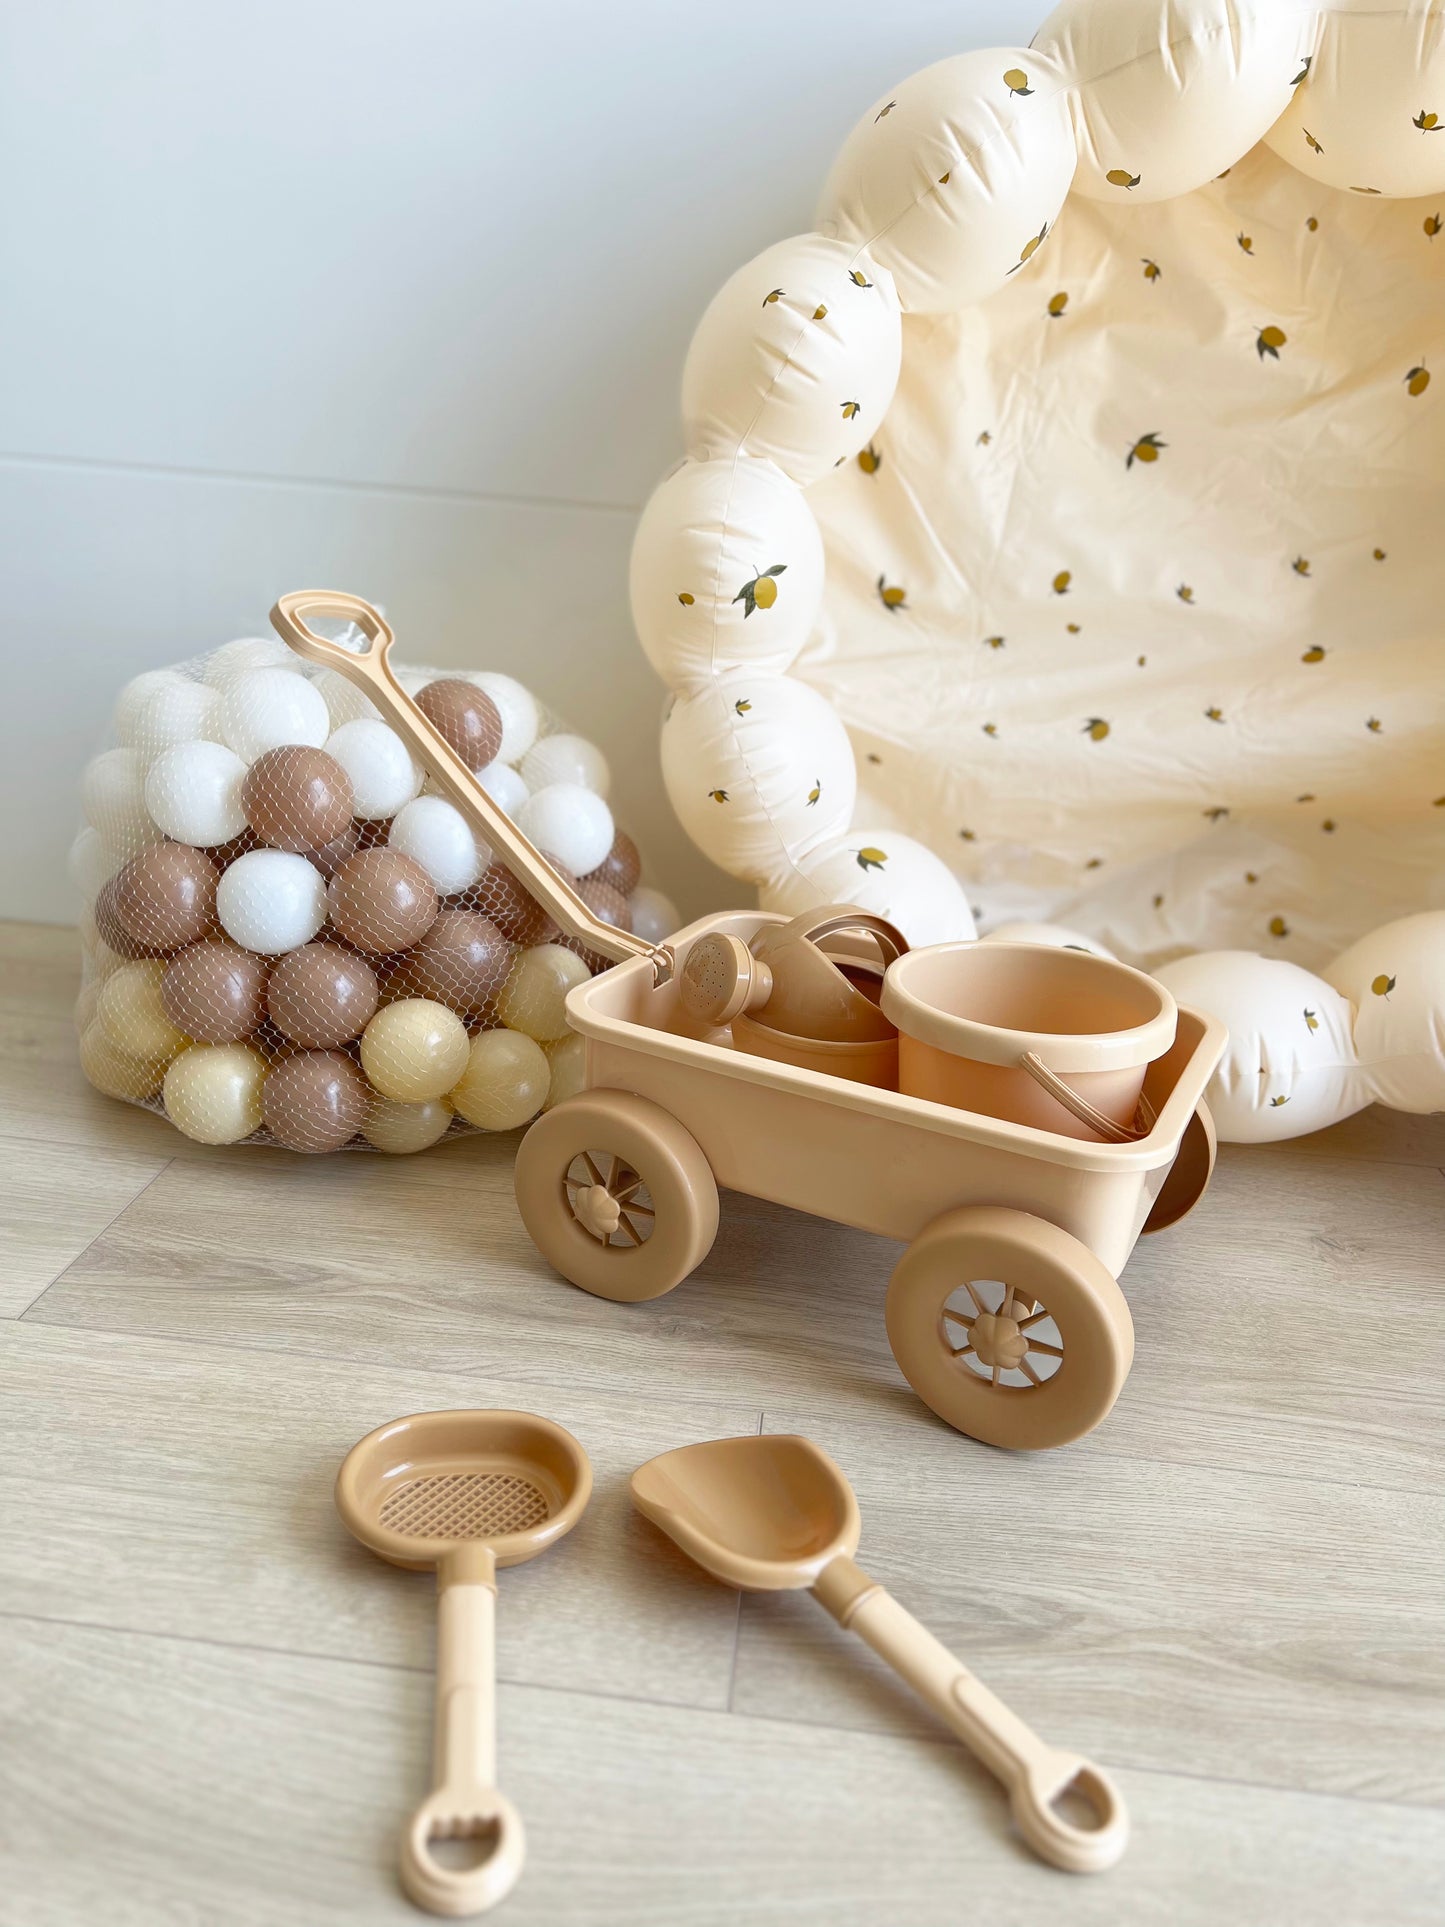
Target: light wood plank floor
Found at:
x=214, y=1707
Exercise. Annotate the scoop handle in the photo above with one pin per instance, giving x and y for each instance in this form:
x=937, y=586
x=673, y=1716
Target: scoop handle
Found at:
x=1036, y=1775
x=367, y=668
x=464, y=1803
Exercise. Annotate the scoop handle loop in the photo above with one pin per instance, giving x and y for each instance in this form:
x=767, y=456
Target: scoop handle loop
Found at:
x=368, y=669
x=464, y=1803
x=1036, y=1775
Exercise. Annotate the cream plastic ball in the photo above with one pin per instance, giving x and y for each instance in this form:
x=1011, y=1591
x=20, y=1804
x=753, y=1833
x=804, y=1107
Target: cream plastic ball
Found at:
x=414, y=1050
x=760, y=772
x=565, y=758
x=568, y=1058
x=402, y=1129
x=212, y=1092
x=91, y=863
x=1290, y=1064
x=383, y=774
x=534, y=998
x=115, y=1072
x=518, y=709
x=570, y=824
x=882, y=871
x=193, y=793
x=1395, y=978
x=251, y=652
x=112, y=797
x=1350, y=123
x=263, y=709
x=726, y=573
x=955, y=177
x=132, y=1016
x=504, y=786
x=505, y=1082
x=271, y=901
x=654, y=916
x=796, y=359
x=1169, y=96
x=345, y=703
x=437, y=835
x=130, y=704
x=176, y=710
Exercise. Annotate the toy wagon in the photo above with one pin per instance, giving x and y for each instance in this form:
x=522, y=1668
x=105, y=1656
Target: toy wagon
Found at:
x=1004, y=1313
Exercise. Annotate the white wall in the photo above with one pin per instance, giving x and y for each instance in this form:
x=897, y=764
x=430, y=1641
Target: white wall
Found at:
x=386, y=297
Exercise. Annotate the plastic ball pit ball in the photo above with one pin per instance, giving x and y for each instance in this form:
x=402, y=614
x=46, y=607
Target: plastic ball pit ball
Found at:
x=271, y=901
x=461, y=962
x=382, y=901
x=193, y=793
x=315, y=1101
x=403, y=1129
x=263, y=709
x=534, y=998
x=212, y=1092
x=165, y=897
x=505, y=1082
x=296, y=798
x=465, y=717
x=517, y=709
x=570, y=824
x=414, y=1051
x=437, y=836
x=215, y=992
x=132, y=1014
x=114, y=1072
x=566, y=759
x=322, y=996
x=379, y=764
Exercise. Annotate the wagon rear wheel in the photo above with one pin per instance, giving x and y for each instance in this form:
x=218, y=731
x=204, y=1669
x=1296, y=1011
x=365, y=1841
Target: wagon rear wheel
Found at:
x=1008, y=1328
x=1188, y=1176
x=616, y=1195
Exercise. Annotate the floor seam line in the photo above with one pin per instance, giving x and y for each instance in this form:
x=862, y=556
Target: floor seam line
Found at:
x=109, y=1225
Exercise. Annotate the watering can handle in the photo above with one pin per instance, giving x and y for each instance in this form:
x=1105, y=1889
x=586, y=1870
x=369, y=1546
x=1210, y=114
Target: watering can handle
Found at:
x=368, y=669
x=1082, y=1109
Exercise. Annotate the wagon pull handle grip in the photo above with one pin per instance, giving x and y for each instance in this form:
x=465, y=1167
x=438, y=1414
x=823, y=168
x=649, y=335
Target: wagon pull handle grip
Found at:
x=368, y=669
x=1082, y=1109
x=1038, y=1777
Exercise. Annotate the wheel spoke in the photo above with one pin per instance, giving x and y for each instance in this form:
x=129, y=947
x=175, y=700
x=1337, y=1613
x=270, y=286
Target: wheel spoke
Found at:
x=633, y=1210
x=594, y=1173
x=1036, y=1318
x=1042, y=1345
x=993, y=1376
x=1029, y=1372
x=626, y=1185
x=629, y=1229
x=958, y=1317
x=612, y=1173
x=961, y=1351
x=978, y=1303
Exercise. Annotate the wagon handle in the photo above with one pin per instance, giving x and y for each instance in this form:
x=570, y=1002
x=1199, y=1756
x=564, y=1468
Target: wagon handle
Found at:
x=369, y=669
x=1082, y=1109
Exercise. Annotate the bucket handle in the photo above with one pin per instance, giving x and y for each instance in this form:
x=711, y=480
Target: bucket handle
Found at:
x=1083, y=1110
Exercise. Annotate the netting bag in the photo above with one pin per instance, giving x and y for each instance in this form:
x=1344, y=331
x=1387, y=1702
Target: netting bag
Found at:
x=294, y=936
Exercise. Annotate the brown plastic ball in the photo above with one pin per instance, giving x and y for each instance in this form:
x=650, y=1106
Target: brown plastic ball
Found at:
x=111, y=931
x=606, y=901
x=512, y=907
x=461, y=962
x=314, y=1101
x=382, y=901
x=322, y=995
x=330, y=857
x=166, y=897
x=621, y=867
x=297, y=798
x=215, y=991
x=466, y=718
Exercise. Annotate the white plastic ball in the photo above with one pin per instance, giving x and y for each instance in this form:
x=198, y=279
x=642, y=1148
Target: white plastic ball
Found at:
x=251, y=652
x=263, y=709
x=112, y=795
x=130, y=704
x=178, y=711
x=344, y=701
x=91, y=863
x=566, y=759
x=504, y=786
x=437, y=835
x=271, y=901
x=517, y=707
x=193, y=793
x=654, y=916
x=383, y=774
x=570, y=824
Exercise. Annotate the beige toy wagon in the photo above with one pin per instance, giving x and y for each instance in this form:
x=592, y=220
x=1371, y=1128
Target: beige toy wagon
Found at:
x=1004, y=1312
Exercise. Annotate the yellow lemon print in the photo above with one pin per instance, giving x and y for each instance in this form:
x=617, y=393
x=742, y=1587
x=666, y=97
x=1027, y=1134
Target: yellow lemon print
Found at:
x=1379, y=554
x=969, y=836
x=1278, y=927
x=944, y=179
x=1017, y=81
x=869, y=460
x=1096, y=729
x=1158, y=899
x=993, y=642
x=1217, y=814
x=1418, y=380
x=1270, y=340
x=884, y=112
x=1328, y=826
x=816, y=791
x=1184, y=592
x=1275, y=1102
x=820, y=312
x=769, y=299
x=685, y=598
x=1251, y=876
x=719, y=796
x=761, y=592
x=1030, y=248
x=1142, y=661
x=1364, y=190
x=990, y=729
x=1427, y=123
x=1375, y=726
x=1214, y=714
x=1431, y=225
x=1146, y=449
x=1312, y=143
x=1300, y=565
x=984, y=439
x=1382, y=985
x=1303, y=72
x=1152, y=269
x=870, y=859
x=742, y=706
x=1061, y=582
x=850, y=409
x=891, y=596
x=1311, y=223
x=1072, y=627
x=1311, y=1021
x=1057, y=304
x=1121, y=177
x=1246, y=242
x=858, y=278
x=1094, y=863
x=1313, y=654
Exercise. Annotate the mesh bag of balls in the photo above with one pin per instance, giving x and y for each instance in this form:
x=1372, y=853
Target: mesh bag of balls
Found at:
x=290, y=941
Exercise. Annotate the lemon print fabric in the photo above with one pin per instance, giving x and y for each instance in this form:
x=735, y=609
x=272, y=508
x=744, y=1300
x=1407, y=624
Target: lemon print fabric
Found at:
x=1146, y=449
x=760, y=591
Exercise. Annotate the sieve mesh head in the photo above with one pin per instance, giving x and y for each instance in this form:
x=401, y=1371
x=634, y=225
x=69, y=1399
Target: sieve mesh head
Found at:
x=715, y=977
x=419, y=1487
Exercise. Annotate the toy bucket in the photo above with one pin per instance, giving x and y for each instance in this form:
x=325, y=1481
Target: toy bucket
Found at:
x=1057, y=1039
x=864, y=1060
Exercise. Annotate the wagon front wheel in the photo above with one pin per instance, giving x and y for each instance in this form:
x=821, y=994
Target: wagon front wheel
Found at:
x=616, y=1195
x=1008, y=1328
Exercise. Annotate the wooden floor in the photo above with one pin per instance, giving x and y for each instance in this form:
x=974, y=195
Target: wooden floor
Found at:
x=214, y=1707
